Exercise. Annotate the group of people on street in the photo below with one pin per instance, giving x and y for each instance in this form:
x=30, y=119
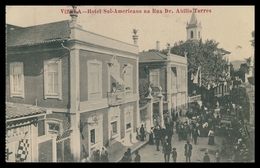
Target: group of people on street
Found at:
x=97, y=156
x=128, y=156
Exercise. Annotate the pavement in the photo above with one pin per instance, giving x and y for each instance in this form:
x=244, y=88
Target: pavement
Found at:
x=117, y=156
x=150, y=154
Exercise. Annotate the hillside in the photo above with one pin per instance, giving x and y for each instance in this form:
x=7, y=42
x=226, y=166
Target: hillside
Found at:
x=237, y=63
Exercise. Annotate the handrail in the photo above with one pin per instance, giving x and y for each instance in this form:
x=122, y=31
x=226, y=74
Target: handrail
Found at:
x=141, y=108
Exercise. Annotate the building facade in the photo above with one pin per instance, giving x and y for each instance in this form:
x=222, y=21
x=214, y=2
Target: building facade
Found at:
x=86, y=83
x=170, y=73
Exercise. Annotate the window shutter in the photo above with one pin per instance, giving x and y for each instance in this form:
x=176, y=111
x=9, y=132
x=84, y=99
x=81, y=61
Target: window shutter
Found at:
x=17, y=79
x=22, y=84
x=11, y=80
x=45, y=76
x=60, y=79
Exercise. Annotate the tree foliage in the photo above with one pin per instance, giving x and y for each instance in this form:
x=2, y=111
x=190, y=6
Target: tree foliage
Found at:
x=205, y=55
x=253, y=40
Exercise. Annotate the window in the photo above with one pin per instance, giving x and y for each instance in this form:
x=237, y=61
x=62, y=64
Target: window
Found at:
x=179, y=78
x=154, y=77
x=52, y=79
x=41, y=127
x=94, y=79
x=191, y=34
x=183, y=82
x=128, y=78
x=128, y=120
x=16, y=79
x=114, y=128
x=220, y=89
x=54, y=126
x=173, y=78
x=94, y=136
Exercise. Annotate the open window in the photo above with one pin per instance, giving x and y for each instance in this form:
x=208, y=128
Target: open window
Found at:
x=53, y=126
x=128, y=78
x=191, y=34
x=173, y=79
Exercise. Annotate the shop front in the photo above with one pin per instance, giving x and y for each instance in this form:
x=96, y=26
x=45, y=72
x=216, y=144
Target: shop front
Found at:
x=21, y=134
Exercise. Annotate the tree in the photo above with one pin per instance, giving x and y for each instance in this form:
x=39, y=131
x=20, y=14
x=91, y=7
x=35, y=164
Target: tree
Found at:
x=205, y=55
x=253, y=40
x=244, y=68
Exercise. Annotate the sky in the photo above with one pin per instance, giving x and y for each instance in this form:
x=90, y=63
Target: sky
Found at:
x=231, y=26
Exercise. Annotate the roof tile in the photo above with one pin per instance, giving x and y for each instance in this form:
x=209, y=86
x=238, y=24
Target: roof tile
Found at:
x=39, y=34
x=14, y=110
x=151, y=56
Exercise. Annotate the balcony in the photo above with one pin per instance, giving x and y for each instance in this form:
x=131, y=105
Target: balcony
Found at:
x=194, y=98
x=115, y=98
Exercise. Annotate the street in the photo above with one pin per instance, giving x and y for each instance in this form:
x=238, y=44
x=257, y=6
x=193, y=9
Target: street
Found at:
x=149, y=154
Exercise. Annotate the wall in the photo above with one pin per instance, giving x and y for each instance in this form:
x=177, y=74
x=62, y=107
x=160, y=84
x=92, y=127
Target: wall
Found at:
x=104, y=58
x=85, y=134
x=33, y=78
x=163, y=79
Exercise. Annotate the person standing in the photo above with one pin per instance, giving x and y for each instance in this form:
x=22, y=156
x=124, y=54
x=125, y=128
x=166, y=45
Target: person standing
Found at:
x=166, y=151
x=174, y=154
x=206, y=157
x=188, y=151
x=142, y=132
x=129, y=155
x=124, y=158
x=211, y=135
x=96, y=155
x=217, y=154
x=157, y=137
x=151, y=139
x=137, y=157
x=104, y=155
x=195, y=134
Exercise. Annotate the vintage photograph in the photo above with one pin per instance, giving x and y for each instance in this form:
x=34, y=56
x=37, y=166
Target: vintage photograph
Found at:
x=130, y=84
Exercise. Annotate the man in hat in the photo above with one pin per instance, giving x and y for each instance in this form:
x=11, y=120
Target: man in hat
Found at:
x=167, y=151
x=188, y=151
x=124, y=158
x=174, y=154
x=206, y=157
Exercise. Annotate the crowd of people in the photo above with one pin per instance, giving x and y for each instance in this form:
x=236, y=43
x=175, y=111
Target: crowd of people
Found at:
x=202, y=122
x=235, y=146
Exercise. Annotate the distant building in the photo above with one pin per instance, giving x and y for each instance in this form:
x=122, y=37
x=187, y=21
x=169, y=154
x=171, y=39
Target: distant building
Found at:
x=193, y=28
x=168, y=72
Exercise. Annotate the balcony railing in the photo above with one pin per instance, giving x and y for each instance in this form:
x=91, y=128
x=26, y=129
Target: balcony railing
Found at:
x=115, y=98
x=194, y=98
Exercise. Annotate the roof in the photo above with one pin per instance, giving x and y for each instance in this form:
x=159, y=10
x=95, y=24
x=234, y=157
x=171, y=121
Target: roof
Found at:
x=44, y=33
x=151, y=56
x=193, y=19
x=15, y=110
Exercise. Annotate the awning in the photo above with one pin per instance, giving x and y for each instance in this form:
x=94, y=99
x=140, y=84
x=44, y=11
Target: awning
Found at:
x=117, y=78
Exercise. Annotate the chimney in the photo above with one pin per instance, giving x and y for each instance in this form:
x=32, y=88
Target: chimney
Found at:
x=135, y=37
x=157, y=46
